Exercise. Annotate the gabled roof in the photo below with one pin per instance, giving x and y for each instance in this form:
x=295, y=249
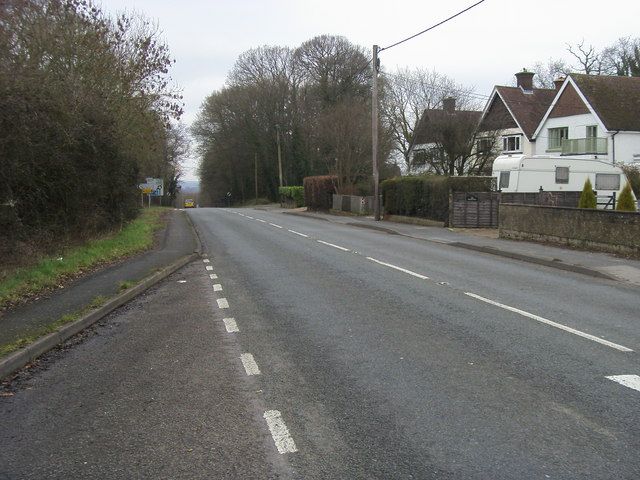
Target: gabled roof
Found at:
x=615, y=100
x=526, y=108
x=424, y=134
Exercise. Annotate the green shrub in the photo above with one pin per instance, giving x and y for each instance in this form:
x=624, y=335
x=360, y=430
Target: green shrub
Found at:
x=633, y=177
x=293, y=194
x=626, y=203
x=427, y=196
x=588, y=197
x=318, y=191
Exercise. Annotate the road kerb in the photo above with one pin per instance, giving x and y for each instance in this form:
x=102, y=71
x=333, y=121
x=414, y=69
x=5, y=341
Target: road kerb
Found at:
x=22, y=357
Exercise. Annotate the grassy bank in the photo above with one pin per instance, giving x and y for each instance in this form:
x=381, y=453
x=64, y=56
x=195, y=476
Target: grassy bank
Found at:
x=50, y=272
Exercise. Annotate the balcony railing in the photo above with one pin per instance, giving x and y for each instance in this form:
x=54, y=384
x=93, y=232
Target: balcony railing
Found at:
x=584, y=146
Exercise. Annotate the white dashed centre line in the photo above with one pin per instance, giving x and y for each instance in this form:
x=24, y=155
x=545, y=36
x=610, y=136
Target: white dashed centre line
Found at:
x=250, y=365
x=217, y=287
x=631, y=381
x=209, y=267
x=551, y=323
x=250, y=218
x=261, y=221
x=400, y=269
x=298, y=233
x=205, y=260
x=279, y=432
x=213, y=276
x=231, y=325
x=222, y=303
x=274, y=225
x=333, y=245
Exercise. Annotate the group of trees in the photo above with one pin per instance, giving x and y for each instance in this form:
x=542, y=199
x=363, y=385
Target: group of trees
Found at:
x=620, y=58
x=312, y=102
x=87, y=110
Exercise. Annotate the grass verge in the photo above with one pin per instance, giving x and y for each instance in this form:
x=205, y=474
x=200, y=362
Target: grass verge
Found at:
x=135, y=237
x=33, y=335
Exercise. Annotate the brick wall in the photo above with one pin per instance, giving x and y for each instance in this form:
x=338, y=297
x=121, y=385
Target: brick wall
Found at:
x=604, y=230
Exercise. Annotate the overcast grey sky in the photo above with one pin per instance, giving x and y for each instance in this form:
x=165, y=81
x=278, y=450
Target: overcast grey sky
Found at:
x=479, y=49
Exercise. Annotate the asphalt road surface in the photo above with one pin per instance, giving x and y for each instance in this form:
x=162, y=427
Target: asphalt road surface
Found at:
x=304, y=349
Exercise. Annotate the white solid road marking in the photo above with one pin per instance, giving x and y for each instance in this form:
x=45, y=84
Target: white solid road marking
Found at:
x=395, y=267
x=250, y=365
x=631, y=381
x=213, y=276
x=274, y=225
x=209, y=267
x=231, y=325
x=333, y=245
x=222, y=303
x=279, y=432
x=205, y=260
x=217, y=287
x=551, y=323
x=298, y=233
x=261, y=221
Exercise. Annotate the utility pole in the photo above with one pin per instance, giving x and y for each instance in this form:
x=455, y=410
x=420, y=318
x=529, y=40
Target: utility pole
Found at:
x=279, y=153
x=374, y=133
x=255, y=163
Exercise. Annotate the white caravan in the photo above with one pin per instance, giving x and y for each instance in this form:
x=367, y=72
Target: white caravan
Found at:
x=519, y=173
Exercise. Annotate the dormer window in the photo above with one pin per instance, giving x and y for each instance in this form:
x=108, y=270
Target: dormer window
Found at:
x=511, y=144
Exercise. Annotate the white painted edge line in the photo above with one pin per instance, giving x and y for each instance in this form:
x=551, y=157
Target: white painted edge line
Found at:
x=279, y=432
x=395, y=267
x=213, y=276
x=231, y=325
x=250, y=365
x=209, y=267
x=551, y=323
x=250, y=218
x=298, y=233
x=274, y=225
x=631, y=381
x=222, y=303
x=217, y=287
x=333, y=245
x=261, y=221
x=205, y=260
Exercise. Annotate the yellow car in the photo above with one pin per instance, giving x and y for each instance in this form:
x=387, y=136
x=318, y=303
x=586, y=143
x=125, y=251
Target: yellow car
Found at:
x=189, y=203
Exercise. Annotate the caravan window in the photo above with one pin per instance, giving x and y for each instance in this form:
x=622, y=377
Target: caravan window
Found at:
x=504, y=179
x=607, y=181
x=562, y=174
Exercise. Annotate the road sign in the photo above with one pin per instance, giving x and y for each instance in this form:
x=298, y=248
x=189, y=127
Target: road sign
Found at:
x=153, y=187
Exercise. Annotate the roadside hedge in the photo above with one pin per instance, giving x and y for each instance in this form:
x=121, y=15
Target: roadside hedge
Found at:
x=292, y=196
x=318, y=191
x=427, y=196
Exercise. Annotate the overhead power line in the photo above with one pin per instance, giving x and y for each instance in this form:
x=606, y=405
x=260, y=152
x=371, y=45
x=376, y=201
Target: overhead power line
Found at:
x=432, y=26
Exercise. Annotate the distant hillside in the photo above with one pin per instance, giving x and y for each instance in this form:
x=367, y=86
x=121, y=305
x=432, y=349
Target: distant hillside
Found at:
x=190, y=186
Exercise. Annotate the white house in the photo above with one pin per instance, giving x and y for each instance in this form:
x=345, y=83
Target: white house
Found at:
x=512, y=115
x=593, y=116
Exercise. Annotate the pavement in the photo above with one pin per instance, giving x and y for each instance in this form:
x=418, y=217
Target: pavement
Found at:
x=595, y=264
x=175, y=241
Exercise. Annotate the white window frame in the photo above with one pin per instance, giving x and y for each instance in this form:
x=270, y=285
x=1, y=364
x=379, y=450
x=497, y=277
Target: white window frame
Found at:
x=555, y=137
x=517, y=143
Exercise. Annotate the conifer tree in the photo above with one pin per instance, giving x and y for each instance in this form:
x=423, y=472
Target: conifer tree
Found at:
x=588, y=197
x=626, y=203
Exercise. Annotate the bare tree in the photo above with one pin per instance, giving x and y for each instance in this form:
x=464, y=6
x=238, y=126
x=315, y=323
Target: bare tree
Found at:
x=589, y=59
x=546, y=73
x=623, y=57
x=406, y=94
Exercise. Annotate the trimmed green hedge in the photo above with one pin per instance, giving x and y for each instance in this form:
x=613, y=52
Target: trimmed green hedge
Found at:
x=293, y=195
x=427, y=196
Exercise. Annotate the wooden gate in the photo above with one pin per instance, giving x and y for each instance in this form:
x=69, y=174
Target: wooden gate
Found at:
x=474, y=209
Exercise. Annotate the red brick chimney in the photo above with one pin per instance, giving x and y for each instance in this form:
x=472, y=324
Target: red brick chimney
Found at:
x=449, y=104
x=525, y=80
x=558, y=82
